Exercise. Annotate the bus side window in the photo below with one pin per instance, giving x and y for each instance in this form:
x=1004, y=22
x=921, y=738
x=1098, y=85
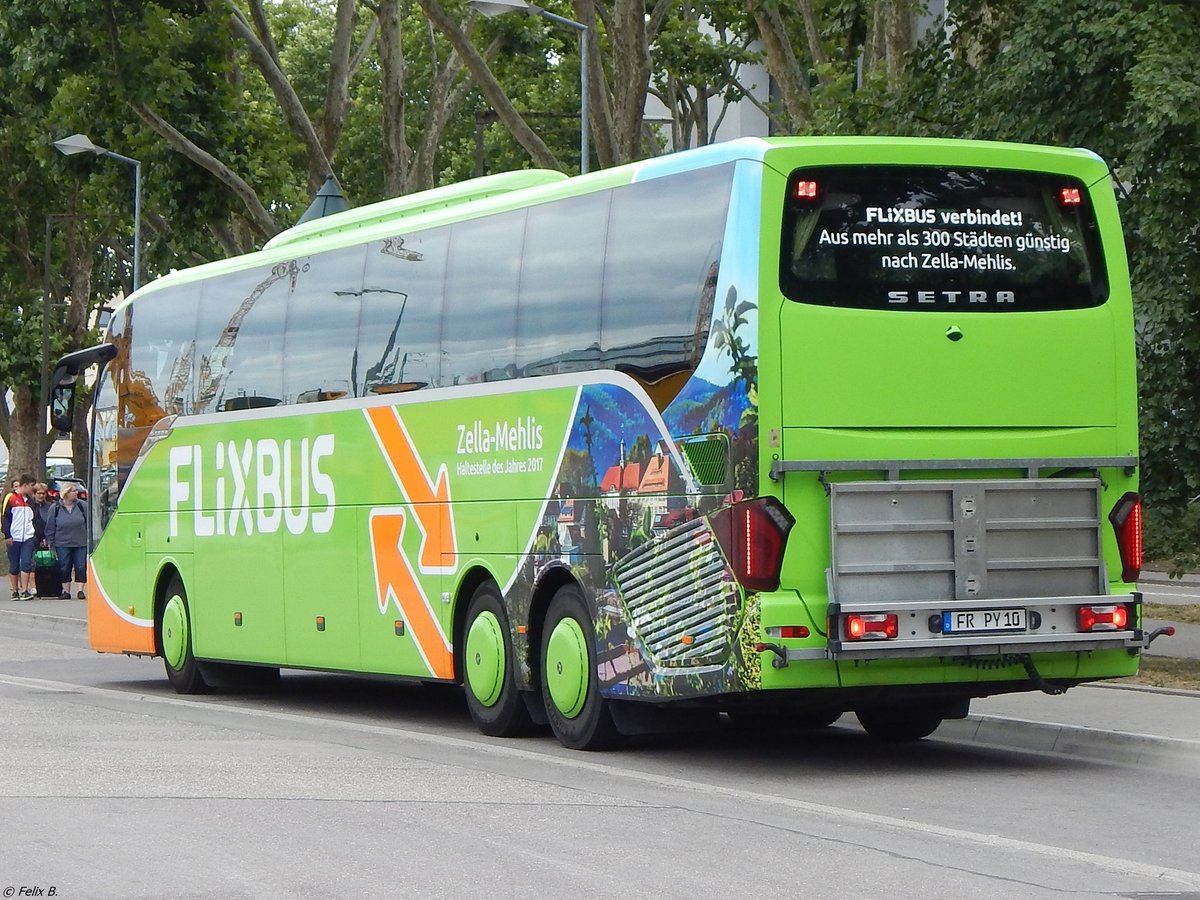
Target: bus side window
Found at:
x=558, y=311
x=322, y=326
x=239, y=339
x=113, y=449
x=161, y=350
x=664, y=244
x=479, y=316
x=400, y=323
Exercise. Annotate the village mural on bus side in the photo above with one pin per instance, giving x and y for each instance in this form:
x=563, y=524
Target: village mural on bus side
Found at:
x=629, y=517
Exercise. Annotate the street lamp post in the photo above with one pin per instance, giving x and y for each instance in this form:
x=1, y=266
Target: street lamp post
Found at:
x=500, y=7
x=81, y=143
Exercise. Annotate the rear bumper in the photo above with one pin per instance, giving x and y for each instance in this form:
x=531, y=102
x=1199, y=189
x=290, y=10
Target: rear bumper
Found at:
x=1051, y=626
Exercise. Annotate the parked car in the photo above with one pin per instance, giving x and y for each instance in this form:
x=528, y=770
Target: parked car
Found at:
x=54, y=486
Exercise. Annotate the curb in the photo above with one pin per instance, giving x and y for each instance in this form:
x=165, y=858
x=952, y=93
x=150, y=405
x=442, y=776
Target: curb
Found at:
x=1074, y=741
x=59, y=623
x=1162, y=578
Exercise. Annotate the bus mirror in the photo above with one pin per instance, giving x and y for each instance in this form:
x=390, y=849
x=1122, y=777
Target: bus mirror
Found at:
x=62, y=406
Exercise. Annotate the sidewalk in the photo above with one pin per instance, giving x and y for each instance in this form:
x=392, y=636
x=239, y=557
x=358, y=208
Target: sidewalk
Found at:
x=1161, y=578
x=1105, y=722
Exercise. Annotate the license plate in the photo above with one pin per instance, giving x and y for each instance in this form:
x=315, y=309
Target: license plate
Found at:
x=970, y=620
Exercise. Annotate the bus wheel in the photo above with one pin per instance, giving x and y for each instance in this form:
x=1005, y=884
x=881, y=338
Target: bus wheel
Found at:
x=899, y=724
x=492, y=696
x=579, y=716
x=175, y=638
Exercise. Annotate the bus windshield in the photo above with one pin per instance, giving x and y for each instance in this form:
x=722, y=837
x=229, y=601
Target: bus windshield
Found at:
x=922, y=238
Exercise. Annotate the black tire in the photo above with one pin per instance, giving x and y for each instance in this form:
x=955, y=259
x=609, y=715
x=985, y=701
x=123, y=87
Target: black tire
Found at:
x=174, y=626
x=900, y=724
x=489, y=684
x=587, y=724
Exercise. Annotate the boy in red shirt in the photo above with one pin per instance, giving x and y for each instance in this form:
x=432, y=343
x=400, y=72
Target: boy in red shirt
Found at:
x=20, y=536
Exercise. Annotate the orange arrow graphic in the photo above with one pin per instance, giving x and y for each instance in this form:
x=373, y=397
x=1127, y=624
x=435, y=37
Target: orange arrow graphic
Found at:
x=430, y=499
x=396, y=582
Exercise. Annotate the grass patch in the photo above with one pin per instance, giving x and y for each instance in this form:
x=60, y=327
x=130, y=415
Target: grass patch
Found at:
x=1167, y=672
x=1187, y=613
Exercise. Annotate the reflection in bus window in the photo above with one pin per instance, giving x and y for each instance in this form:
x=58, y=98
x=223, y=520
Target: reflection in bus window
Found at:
x=239, y=339
x=479, y=320
x=161, y=352
x=401, y=318
x=664, y=240
x=558, y=311
x=322, y=326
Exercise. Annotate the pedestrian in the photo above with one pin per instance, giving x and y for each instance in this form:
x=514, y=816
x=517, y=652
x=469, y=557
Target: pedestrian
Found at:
x=41, y=508
x=20, y=538
x=66, y=532
x=45, y=575
x=12, y=573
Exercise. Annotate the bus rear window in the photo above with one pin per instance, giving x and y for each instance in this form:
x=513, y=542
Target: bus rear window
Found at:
x=921, y=238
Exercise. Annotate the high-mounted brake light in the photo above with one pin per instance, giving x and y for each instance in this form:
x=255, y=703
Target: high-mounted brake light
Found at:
x=1103, y=618
x=1126, y=518
x=872, y=627
x=1070, y=196
x=806, y=190
x=753, y=536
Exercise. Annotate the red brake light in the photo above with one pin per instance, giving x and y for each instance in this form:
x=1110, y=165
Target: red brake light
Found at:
x=806, y=190
x=1103, y=618
x=1126, y=518
x=1070, y=196
x=753, y=536
x=872, y=627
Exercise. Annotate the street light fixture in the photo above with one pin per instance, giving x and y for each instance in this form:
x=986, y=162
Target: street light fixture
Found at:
x=81, y=143
x=492, y=8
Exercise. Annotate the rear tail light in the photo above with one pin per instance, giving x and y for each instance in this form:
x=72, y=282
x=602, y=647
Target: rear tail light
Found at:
x=1126, y=519
x=1104, y=618
x=753, y=536
x=871, y=627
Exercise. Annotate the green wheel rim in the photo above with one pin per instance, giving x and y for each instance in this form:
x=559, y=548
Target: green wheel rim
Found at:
x=567, y=667
x=485, y=658
x=175, y=632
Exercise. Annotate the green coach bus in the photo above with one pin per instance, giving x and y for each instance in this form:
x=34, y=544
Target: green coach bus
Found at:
x=781, y=429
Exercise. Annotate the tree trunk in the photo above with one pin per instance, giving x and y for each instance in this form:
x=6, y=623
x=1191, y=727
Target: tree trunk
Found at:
x=25, y=422
x=492, y=92
x=337, y=91
x=289, y=103
x=631, y=68
x=812, y=33
x=782, y=64
x=396, y=153
x=600, y=109
x=257, y=213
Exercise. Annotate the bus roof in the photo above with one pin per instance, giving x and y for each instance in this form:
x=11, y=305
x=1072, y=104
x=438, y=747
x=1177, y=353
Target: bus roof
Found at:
x=527, y=187
x=414, y=204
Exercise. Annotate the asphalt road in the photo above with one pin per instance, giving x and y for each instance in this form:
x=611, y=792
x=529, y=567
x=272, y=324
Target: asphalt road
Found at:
x=112, y=786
